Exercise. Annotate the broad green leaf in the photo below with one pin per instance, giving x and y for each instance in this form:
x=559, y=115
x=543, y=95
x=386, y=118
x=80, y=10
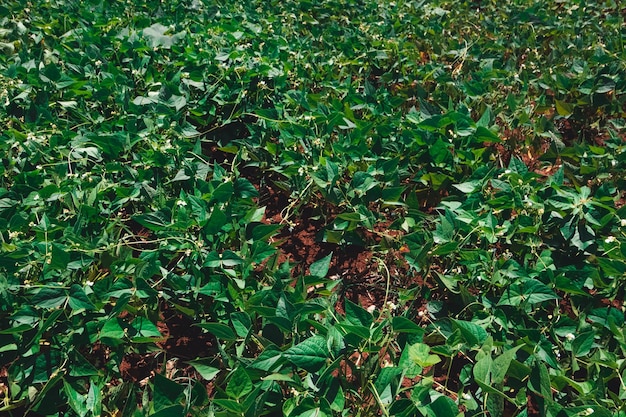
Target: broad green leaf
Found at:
x=145, y=330
x=468, y=187
x=357, y=315
x=526, y=292
x=351, y=217
x=361, y=331
x=444, y=406
x=501, y=364
x=310, y=354
x=419, y=353
x=335, y=396
x=216, y=221
x=472, y=333
x=166, y=392
x=320, y=267
x=583, y=343
x=114, y=329
x=493, y=371
x=612, y=267
x=264, y=231
x=49, y=298
x=155, y=221
x=206, y=371
x=17, y=329
x=403, y=325
x=485, y=135
x=230, y=258
x=79, y=366
x=223, y=192
x=94, y=399
x=219, y=330
x=60, y=256
x=241, y=323
x=244, y=188
x=268, y=360
x=261, y=251
x=78, y=299
x=516, y=165
x=170, y=411
x=230, y=405
x=539, y=383
x=564, y=109
x=278, y=377
x=77, y=401
x=239, y=383
x=46, y=364
x=111, y=144
x=158, y=35
x=410, y=367
x=387, y=378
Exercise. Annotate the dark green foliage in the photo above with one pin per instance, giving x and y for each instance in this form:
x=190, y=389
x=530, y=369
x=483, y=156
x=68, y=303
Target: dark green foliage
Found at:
x=473, y=150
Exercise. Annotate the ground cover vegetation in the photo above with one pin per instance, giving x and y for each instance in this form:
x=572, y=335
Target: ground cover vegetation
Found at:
x=312, y=208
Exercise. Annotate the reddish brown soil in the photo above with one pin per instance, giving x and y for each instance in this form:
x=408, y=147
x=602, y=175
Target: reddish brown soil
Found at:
x=184, y=340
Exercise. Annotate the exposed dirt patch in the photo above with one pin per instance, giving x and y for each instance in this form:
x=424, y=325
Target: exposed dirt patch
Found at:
x=183, y=339
x=138, y=368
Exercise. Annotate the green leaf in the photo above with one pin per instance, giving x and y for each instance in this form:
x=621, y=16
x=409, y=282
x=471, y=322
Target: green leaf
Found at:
x=217, y=220
x=268, y=360
x=206, y=371
x=223, y=192
x=114, y=329
x=387, y=377
x=493, y=371
x=156, y=36
x=230, y=405
x=265, y=231
x=244, y=188
x=472, y=333
x=219, y=330
x=145, y=330
x=76, y=401
x=583, y=343
x=485, y=135
x=564, y=109
x=81, y=366
x=78, y=299
x=539, y=382
x=526, y=292
x=261, y=251
x=468, y=187
x=351, y=217
x=155, y=221
x=310, y=354
x=320, y=267
x=403, y=325
x=516, y=165
x=166, y=392
x=357, y=315
x=170, y=411
x=502, y=363
x=419, y=353
x=444, y=407
x=60, y=256
x=49, y=298
x=94, y=399
x=278, y=377
x=239, y=384
x=241, y=323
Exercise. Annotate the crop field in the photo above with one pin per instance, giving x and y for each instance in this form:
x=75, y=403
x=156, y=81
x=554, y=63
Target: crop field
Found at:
x=312, y=208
